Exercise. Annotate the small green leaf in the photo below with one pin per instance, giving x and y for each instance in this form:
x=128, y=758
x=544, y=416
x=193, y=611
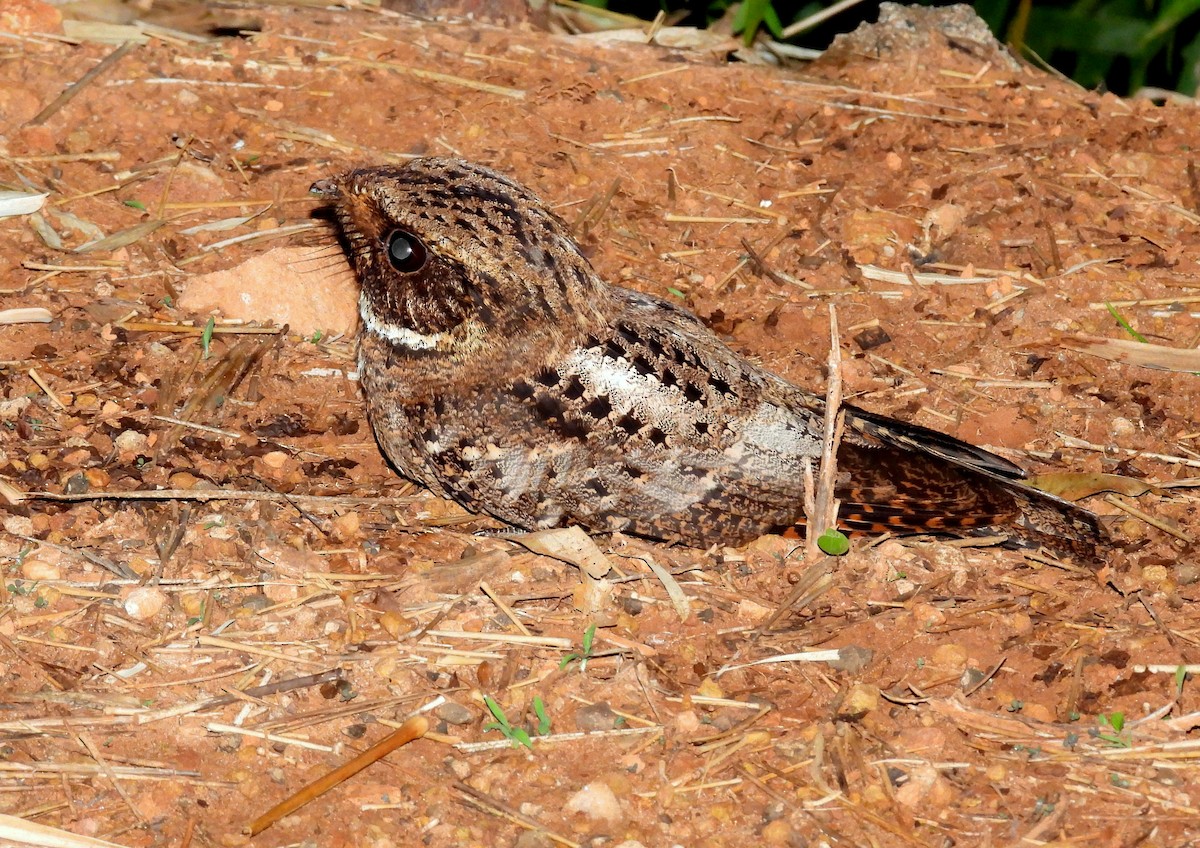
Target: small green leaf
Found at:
x=543, y=720
x=497, y=713
x=518, y=734
x=771, y=19
x=677, y=293
x=1180, y=677
x=136, y=204
x=833, y=542
x=567, y=660
x=1120, y=319
x=206, y=336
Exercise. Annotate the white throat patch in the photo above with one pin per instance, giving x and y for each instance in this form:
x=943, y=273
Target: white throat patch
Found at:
x=402, y=336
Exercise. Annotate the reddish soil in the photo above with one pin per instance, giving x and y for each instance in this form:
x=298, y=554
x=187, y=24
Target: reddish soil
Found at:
x=977, y=699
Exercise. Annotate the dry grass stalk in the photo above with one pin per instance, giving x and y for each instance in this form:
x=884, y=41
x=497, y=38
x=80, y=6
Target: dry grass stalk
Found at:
x=814, y=582
x=679, y=599
x=559, y=738
x=825, y=504
x=482, y=801
x=205, y=495
x=89, y=771
x=45, y=387
x=670, y=217
x=251, y=648
x=222, y=379
x=106, y=772
x=122, y=238
x=1111, y=450
x=1135, y=353
x=26, y=315
x=93, y=156
x=75, y=88
x=503, y=607
x=1103, y=305
x=17, y=831
x=642, y=723
x=827, y=655
x=1166, y=527
x=256, y=734
x=431, y=76
x=378, y=706
x=594, y=210
x=508, y=638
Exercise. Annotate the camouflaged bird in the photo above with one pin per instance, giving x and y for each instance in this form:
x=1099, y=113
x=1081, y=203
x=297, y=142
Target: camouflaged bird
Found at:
x=499, y=370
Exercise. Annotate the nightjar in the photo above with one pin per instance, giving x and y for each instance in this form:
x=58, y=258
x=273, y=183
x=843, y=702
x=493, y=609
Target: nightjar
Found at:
x=499, y=370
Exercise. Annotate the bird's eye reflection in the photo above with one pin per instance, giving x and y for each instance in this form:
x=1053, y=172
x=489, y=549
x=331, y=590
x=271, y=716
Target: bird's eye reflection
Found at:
x=405, y=251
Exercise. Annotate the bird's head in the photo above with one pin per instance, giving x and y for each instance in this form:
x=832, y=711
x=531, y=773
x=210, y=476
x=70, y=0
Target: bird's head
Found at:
x=445, y=248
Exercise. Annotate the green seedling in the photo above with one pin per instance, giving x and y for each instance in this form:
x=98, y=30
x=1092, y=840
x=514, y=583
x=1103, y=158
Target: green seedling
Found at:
x=516, y=735
x=543, y=726
x=206, y=336
x=586, y=654
x=753, y=14
x=1115, y=724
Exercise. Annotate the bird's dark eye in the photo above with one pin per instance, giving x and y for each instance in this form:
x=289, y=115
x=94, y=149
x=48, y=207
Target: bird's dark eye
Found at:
x=405, y=251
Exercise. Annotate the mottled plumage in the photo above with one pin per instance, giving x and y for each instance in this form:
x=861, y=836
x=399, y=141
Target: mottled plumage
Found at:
x=501, y=371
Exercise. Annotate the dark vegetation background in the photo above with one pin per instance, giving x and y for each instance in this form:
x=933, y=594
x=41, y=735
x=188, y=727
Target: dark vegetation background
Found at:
x=1119, y=45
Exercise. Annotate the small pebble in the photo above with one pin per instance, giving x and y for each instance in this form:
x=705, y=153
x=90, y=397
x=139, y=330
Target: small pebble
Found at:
x=144, y=603
x=1121, y=427
x=598, y=716
x=778, y=832
x=860, y=700
x=533, y=839
x=596, y=801
x=453, y=713
x=34, y=568
x=131, y=441
x=18, y=525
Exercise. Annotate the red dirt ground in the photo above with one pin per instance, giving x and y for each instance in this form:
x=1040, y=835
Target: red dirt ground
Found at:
x=981, y=698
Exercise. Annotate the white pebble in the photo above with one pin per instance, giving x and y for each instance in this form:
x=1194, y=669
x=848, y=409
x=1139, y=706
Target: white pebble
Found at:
x=144, y=603
x=38, y=569
x=596, y=801
x=132, y=441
